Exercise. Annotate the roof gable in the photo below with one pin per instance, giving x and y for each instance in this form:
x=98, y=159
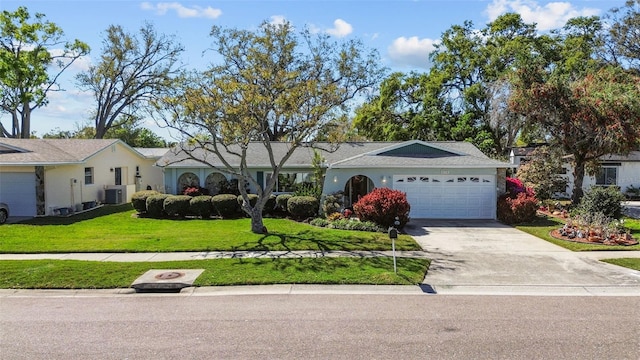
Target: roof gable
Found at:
x=417, y=149
x=54, y=151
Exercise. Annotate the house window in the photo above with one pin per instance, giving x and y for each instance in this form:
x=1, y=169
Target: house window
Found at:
x=88, y=175
x=607, y=176
x=287, y=182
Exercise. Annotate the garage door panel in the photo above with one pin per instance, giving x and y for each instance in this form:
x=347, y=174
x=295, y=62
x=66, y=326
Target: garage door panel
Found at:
x=449, y=197
x=18, y=190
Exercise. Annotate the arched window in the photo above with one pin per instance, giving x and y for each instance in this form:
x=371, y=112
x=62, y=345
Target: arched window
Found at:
x=214, y=182
x=186, y=180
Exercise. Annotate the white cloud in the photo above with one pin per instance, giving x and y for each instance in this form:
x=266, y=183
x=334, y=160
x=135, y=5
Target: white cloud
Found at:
x=340, y=28
x=411, y=52
x=184, y=12
x=278, y=20
x=552, y=15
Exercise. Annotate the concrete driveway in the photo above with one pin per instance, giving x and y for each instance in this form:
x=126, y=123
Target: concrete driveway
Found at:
x=469, y=254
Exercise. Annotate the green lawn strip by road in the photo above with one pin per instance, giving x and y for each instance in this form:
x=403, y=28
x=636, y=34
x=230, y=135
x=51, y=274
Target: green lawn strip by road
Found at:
x=631, y=263
x=120, y=231
x=543, y=226
x=74, y=274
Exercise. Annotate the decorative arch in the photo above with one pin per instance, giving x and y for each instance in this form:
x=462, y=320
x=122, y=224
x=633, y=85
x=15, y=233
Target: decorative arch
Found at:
x=186, y=180
x=355, y=188
x=214, y=182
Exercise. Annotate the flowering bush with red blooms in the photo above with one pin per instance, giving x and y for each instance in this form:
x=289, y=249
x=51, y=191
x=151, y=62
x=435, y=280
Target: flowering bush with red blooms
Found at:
x=518, y=205
x=382, y=205
x=194, y=191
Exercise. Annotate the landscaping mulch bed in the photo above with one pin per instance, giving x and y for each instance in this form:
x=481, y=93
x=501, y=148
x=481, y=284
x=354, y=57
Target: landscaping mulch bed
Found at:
x=609, y=242
x=619, y=241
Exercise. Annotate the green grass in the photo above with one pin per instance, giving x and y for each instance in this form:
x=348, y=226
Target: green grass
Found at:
x=543, y=226
x=116, y=229
x=73, y=274
x=631, y=263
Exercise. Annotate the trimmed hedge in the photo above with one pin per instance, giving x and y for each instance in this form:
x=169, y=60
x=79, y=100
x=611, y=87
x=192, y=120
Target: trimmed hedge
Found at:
x=253, y=199
x=177, y=205
x=270, y=205
x=226, y=205
x=201, y=206
x=139, y=200
x=282, y=200
x=155, y=205
x=303, y=207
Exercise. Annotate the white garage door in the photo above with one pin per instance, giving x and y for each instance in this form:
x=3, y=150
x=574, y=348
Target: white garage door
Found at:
x=449, y=196
x=18, y=190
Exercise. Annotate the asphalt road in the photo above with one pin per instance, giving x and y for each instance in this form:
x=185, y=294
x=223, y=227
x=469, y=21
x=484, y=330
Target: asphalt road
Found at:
x=153, y=326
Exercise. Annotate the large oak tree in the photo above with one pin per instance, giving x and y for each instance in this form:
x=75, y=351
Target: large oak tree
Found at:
x=131, y=71
x=587, y=118
x=271, y=84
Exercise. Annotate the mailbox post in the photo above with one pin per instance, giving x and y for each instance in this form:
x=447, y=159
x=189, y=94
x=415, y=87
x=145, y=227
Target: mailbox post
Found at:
x=393, y=235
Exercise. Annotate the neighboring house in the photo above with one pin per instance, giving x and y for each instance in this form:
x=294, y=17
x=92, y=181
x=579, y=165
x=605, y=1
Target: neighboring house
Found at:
x=451, y=180
x=47, y=176
x=616, y=170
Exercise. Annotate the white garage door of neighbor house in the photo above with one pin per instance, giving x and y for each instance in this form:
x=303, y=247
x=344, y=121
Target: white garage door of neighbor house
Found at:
x=449, y=196
x=18, y=190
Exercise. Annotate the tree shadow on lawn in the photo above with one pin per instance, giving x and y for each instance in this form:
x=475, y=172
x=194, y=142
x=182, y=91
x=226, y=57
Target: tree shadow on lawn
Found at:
x=282, y=243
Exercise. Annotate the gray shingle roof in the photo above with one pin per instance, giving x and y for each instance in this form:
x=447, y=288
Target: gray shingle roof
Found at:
x=352, y=154
x=50, y=151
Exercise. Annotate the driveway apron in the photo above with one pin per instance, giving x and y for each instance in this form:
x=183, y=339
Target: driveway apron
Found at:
x=488, y=253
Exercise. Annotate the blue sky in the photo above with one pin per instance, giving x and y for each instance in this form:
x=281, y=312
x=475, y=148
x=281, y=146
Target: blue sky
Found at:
x=402, y=31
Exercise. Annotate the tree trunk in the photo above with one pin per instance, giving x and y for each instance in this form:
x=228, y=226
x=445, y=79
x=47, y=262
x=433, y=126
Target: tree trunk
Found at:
x=257, y=226
x=578, y=178
x=26, y=122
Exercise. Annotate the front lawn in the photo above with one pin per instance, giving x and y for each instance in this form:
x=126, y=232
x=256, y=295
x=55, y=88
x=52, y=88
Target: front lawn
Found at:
x=631, y=263
x=73, y=274
x=116, y=229
x=542, y=228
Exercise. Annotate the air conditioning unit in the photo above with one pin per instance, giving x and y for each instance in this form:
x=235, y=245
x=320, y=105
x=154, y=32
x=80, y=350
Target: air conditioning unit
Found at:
x=113, y=196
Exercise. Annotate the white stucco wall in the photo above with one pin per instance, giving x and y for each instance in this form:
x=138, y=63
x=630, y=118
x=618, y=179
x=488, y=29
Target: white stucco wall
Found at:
x=65, y=185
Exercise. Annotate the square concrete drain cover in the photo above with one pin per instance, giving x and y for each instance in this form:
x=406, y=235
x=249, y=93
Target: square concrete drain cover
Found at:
x=166, y=280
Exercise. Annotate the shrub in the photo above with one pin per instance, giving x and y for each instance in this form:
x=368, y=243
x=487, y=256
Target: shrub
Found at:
x=155, y=205
x=382, y=206
x=349, y=224
x=302, y=207
x=320, y=222
x=281, y=201
x=253, y=199
x=308, y=189
x=332, y=203
x=177, y=205
x=226, y=205
x=514, y=187
x=201, y=206
x=604, y=200
x=334, y=216
x=516, y=210
x=270, y=205
x=139, y=200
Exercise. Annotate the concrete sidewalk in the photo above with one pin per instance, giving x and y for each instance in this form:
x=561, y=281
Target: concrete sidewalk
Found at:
x=209, y=255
